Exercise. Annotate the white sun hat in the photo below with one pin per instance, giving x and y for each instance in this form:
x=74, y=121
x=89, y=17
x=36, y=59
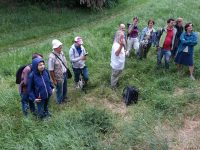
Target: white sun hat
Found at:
x=56, y=43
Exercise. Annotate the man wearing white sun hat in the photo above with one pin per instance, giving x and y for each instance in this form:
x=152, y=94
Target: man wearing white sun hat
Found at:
x=57, y=67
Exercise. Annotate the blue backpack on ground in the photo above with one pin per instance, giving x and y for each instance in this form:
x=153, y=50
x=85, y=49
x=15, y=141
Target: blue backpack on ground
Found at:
x=130, y=95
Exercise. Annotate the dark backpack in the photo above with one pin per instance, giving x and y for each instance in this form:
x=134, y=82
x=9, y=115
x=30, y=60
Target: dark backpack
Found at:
x=19, y=74
x=130, y=95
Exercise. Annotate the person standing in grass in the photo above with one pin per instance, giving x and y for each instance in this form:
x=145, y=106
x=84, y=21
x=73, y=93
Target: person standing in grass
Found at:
x=166, y=43
x=23, y=88
x=40, y=87
x=132, y=41
x=57, y=64
x=185, y=55
x=147, y=37
x=179, y=28
x=117, y=58
x=78, y=56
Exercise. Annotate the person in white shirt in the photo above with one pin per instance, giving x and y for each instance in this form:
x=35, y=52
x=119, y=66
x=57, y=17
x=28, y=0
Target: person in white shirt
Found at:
x=117, y=58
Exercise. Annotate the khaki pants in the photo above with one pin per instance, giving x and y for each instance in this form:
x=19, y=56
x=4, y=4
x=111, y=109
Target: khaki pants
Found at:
x=133, y=43
x=115, y=77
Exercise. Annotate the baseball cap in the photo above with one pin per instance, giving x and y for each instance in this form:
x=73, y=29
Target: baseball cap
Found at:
x=78, y=40
x=56, y=43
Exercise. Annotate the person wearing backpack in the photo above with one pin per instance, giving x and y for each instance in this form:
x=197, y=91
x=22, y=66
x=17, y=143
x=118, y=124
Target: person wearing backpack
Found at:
x=78, y=56
x=39, y=87
x=57, y=66
x=117, y=58
x=23, y=86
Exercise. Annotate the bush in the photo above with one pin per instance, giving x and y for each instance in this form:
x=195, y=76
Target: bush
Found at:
x=96, y=118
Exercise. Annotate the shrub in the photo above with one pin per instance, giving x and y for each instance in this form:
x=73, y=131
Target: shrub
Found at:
x=96, y=118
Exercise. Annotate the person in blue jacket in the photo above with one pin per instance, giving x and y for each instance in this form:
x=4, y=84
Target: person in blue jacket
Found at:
x=185, y=54
x=148, y=36
x=40, y=87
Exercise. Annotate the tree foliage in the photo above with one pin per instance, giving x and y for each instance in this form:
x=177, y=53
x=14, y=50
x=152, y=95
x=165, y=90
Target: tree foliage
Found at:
x=93, y=4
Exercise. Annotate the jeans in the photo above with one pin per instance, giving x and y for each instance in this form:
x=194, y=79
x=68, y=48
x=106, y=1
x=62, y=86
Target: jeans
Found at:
x=78, y=72
x=166, y=54
x=40, y=108
x=26, y=104
x=61, y=89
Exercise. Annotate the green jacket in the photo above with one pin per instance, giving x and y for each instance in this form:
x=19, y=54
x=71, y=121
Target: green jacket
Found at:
x=163, y=36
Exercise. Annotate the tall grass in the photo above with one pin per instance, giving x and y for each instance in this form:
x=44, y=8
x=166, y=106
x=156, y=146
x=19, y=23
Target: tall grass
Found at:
x=88, y=121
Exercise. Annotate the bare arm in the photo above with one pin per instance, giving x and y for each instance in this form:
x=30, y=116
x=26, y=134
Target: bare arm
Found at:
x=53, y=77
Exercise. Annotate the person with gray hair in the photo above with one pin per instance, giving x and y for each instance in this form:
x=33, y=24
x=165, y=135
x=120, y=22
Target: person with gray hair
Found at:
x=117, y=58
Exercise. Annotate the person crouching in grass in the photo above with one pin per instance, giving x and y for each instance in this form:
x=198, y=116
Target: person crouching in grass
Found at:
x=39, y=87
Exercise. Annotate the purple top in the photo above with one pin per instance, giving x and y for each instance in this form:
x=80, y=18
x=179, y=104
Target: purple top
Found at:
x=134, y=31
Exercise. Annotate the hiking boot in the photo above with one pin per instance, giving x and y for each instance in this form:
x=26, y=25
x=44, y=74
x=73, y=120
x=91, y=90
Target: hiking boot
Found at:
x=192, y=77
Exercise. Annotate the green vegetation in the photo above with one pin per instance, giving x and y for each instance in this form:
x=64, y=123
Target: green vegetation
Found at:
x=98, y=120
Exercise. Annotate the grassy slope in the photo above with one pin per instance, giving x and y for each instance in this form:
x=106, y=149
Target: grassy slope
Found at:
x=167, y=98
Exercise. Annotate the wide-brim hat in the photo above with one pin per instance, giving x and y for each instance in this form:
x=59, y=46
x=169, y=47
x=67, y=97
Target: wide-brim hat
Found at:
x=56, y=43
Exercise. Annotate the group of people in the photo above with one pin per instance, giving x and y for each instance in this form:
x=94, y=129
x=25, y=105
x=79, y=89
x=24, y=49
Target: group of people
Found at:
x=173, y=41
x=38, y=83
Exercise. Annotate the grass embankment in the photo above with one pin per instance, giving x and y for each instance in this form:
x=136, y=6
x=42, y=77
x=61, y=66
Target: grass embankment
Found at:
x=98, y=119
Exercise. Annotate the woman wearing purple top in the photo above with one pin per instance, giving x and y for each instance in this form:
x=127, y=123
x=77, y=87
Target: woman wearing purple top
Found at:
x=133, y=41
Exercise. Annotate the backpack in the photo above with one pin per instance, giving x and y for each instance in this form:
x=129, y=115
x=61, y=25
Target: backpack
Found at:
x=19, y=74
x=130, y=95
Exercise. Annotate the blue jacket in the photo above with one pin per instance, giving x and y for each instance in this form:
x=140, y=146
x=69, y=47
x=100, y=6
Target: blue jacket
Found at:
x=187, y=40
x=39, y=85
x=152, y=36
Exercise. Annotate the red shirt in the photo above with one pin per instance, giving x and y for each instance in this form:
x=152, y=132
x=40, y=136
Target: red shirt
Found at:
x=168, y=40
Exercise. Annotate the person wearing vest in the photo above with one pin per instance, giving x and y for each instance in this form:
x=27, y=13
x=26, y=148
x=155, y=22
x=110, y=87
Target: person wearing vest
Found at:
x=57, y=67
x=166, y=43
x=78, y=55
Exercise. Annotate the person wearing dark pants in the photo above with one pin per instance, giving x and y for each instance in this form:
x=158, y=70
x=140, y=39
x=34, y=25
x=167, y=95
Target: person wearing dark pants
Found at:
x=78, y=55
x=39, y=87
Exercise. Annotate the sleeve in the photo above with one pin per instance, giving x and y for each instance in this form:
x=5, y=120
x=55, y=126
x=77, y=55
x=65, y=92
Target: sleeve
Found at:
x=51, y=83
x=194, y=40
x=31, y=88
x=154, y=38
x=25, y=73
x=72, y=57
x=142, y=34
x=51, y=62
x=190, y=42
